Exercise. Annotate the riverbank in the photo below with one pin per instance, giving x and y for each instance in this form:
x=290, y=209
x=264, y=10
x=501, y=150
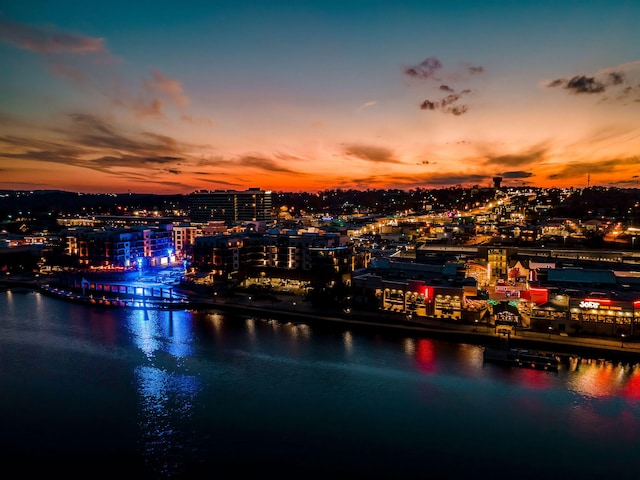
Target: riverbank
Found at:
x=294, y=309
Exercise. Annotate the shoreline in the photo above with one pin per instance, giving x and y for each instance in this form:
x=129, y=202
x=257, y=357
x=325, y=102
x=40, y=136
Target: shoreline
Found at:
x=370, y=321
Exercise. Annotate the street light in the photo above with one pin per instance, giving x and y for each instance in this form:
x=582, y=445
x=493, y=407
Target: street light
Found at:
x=622, y=340
x=550, y=328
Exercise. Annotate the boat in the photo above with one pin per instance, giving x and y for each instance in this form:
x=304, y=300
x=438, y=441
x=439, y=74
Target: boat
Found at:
x=517, y=357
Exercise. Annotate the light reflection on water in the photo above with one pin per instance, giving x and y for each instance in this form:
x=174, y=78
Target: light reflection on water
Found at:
x=211, y=388
x=600, y=378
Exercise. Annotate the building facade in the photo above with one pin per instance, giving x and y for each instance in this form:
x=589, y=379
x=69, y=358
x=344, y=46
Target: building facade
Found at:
x=231, y=206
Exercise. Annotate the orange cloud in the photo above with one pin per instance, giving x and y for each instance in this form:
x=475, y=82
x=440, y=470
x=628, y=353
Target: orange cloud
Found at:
x=167, y=87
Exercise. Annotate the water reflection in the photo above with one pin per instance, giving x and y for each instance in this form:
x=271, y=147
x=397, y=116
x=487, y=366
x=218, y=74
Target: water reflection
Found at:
x=166, y=406
x=440, y=372
x=157, y=331
x=167, y=393
x=600, y=378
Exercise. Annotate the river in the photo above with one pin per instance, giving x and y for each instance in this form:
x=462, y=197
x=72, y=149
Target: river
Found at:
x=181, y=394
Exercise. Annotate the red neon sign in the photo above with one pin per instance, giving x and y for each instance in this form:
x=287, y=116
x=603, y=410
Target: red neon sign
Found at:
x=601, y=301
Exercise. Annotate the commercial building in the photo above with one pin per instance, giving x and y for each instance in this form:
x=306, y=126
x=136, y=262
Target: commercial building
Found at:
x=586, y=301
x=288, y=254
x=231, y=206
x=419, y=290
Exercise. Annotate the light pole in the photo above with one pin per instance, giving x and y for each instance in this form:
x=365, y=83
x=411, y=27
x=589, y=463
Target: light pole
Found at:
x=622, y=340
x=550, y=328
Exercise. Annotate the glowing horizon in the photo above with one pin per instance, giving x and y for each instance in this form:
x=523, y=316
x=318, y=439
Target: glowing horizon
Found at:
x=293, y=96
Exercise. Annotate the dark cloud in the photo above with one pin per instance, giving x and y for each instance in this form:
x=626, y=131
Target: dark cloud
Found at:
x=447, y=104
x=90, y=142
x=449, y=99
x=431, y=69
x=583, y=84
x=455, y=179
x=589, y=84
x=535, y=155
x=616, y=78
x=516, y=174
x=429, y=105
x=371, y=153
x=426, y=69
x=457, y=110
x=217, y=181
x=411, y=181
x=132, y=161
x=603, y=166
x=262, y=164
x=92, y=131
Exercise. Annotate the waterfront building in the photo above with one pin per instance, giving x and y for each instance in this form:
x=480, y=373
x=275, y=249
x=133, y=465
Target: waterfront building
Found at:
x=123, y=247
x=287, y=254
x=419, y=290
x=183, y=236
x=586, y=301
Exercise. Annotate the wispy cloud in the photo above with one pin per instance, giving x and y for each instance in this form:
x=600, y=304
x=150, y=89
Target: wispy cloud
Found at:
x=65, y=54
x=367, y=105
x=262, y=163
x=49, y=39
x=197, y=120
x=413, y=181
x=371, y=153
x=610, y=165
x=532, y=156
x=167, y=87
x=92, y=143
x=156, y=94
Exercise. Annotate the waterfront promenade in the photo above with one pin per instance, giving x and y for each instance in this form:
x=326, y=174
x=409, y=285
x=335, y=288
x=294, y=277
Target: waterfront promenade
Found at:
x=294, y=308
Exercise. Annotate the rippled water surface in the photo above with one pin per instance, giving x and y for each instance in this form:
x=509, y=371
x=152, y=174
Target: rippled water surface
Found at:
x=179, y=394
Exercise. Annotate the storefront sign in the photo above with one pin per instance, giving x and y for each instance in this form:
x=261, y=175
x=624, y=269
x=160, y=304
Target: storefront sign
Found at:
x=588, y=305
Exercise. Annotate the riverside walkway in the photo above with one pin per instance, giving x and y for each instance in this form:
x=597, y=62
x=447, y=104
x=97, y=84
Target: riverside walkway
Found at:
x=294, y=309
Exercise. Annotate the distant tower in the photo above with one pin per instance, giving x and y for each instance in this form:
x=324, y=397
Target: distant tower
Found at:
x=588, y=180
x=496, y=182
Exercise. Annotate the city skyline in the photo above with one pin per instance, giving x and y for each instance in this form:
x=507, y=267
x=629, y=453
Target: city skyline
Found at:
x=307, y=96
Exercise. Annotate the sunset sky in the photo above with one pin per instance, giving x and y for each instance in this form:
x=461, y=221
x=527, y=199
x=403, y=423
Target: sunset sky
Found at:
x=172, y=97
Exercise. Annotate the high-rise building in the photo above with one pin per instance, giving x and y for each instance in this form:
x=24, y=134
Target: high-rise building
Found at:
x=230, y=206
